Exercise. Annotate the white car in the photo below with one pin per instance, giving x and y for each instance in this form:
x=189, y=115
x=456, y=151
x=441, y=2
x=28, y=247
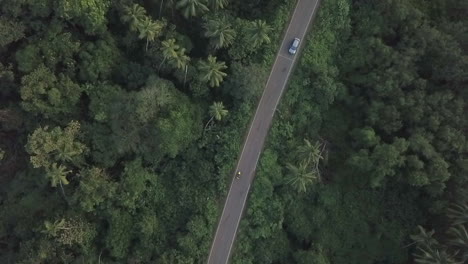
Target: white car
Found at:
x=294, y=46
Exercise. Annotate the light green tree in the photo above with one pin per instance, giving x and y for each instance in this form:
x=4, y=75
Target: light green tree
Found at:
x=181, y=60
x=310, y=153
x=212, y=71
x=57, y=174
x=91, y=14
x=47, y=146
x=149, y=30
x=300, y=177
x=217, y=112
x=52, y=229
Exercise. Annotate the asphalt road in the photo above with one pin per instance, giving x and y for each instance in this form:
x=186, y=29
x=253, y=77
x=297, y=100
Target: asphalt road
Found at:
x=276, y=84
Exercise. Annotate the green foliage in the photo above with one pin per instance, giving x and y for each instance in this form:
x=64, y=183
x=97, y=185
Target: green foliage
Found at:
x=10, y=31
x=89, y=14
x=48, y=146
x=135, y=181
x=119, y=234
x=380, y=87
x=55, y=49
x=95, y=190
x=246, y=82
x=98, y=59
x=45, y=94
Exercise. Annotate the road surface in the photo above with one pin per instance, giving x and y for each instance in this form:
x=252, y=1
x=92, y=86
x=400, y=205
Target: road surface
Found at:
x=276, y=84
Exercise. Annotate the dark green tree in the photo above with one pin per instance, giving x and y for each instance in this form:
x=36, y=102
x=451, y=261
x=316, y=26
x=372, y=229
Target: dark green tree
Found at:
x=191, y=8
x=220, y=32
x=258, y=33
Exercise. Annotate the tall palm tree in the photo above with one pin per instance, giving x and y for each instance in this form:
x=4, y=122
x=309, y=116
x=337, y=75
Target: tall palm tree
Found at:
x=458, y=213
x=258, y=33
x=217, y=4
x=301, y=176
x=52, y=229
x=211, y=71
x=149, y=29
x=169, y=50
x=181, y=60
x=311, y=153
x=133, y=15
x=192, y=8
x=459, y=238
x=220, y=32
x=57, y=175
x=434, y=256
x=217, y=112
x=169, y=3
x=424, y=238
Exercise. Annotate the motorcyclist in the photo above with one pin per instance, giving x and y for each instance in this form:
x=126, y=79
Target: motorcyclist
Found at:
x=238, y=174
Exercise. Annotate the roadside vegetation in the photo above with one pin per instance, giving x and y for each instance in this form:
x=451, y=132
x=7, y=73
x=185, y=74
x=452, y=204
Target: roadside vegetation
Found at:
x=121, y=122
x=378, y=103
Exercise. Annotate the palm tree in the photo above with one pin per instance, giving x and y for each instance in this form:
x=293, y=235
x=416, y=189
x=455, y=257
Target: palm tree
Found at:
x=301, y=176
x=459, y=238
x=57, y=175
x=258, y=33
x=434, y=256
x=212, y=71
x=149, y=29
x=52, y=229
x=169, y=3
x=220, y=32
x=169, y=50
x=133, y=15
x=458, y=213
x=181, y=60
x=217, y=4
x=312, y=154
x=424, y=238
x=191, y=8
x=217, y=112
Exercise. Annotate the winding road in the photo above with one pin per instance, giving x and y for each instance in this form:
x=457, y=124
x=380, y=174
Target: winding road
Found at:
x=247, y=163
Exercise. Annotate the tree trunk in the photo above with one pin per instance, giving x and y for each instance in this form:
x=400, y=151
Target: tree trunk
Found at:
x=160, y=65
x=207, y=123
x=185, y=76
x=160, y=8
